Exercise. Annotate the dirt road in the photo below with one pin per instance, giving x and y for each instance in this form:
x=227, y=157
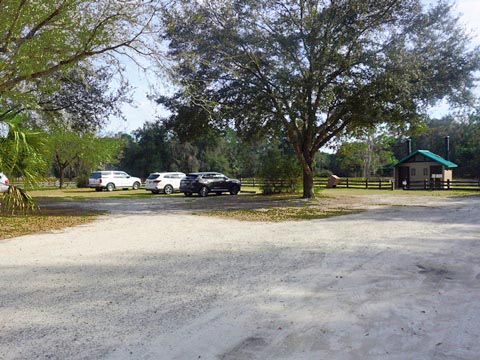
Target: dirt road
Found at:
x=396, y=282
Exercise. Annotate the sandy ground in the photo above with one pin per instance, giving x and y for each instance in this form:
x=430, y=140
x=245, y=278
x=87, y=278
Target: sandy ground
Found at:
x=396, y=282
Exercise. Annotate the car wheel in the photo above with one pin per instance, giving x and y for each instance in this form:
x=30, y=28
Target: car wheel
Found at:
x=168, y=189
x=98, y=189
x=187, y=193
x=203, y=191
x=234, y=190
x=110, y=187
x=136, y=185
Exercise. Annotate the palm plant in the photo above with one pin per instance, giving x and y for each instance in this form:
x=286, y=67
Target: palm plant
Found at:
x=20, y=156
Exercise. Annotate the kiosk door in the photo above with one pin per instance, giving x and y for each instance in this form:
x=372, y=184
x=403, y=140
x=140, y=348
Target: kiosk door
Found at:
x=403, y=175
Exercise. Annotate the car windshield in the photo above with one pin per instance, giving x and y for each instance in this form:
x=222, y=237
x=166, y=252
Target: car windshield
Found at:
x=95, y=175
x=153, y=176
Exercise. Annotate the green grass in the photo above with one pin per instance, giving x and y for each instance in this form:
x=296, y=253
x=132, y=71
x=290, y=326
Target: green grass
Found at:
x=440, y=193
x=86, y=193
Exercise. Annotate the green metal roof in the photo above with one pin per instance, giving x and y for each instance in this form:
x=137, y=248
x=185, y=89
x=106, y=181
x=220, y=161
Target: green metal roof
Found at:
x=430, y=155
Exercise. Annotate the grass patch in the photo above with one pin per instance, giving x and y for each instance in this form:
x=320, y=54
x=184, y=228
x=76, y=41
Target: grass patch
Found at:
x=397, y=192
x=43, y=221
x=278, y=214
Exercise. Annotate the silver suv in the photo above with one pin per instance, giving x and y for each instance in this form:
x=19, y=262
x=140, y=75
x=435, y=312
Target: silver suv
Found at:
x=112, y=180
x=166, y=182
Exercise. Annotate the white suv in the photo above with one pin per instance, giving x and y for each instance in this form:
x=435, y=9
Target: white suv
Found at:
x=3, y=183
x=112, y=180
x=166, y=182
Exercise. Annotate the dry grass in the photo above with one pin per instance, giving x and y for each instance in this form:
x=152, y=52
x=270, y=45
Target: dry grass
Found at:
x=278, y=214
x=43, y=221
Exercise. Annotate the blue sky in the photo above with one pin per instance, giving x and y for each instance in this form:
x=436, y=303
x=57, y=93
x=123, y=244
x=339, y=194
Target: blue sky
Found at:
x=142, y=109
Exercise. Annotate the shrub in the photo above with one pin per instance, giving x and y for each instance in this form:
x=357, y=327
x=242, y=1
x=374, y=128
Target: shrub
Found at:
x=82, y=181
x=281, y=173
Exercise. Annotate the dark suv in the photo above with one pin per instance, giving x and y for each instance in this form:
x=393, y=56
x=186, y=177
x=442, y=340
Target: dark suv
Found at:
x=206, y=182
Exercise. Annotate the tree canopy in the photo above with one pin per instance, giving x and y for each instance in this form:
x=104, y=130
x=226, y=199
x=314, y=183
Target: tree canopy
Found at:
x=319, y=69
x=81, y=98
x=39, y=40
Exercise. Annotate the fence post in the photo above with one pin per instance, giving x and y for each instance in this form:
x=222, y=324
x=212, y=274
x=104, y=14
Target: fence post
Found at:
x=347, y=183
x=424, y=184
x=380, y=184
x=448, y=184
x=366, y=183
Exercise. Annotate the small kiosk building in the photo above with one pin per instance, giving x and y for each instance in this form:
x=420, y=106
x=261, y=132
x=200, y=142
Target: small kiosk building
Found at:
x=422, y=169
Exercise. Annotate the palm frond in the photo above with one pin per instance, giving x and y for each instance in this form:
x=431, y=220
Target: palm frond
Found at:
x=22, y=151
x=16, y=200
x=21, y=155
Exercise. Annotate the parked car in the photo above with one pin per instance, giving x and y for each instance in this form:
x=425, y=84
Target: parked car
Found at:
x=112, y=180
x=3, y=183
x=166, y=182
x=204, y=183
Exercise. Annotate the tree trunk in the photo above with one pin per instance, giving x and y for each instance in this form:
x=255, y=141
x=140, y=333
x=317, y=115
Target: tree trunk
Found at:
x=306, y=160
x=367, y=163
x=62, y=175
x=308, y=192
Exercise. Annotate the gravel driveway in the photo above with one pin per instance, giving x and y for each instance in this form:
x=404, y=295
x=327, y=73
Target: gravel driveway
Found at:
x=393, y=282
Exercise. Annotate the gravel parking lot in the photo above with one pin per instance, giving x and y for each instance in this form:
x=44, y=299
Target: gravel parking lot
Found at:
x=399, y=281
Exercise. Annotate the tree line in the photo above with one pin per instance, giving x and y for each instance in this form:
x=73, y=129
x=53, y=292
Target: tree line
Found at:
x=156, y=147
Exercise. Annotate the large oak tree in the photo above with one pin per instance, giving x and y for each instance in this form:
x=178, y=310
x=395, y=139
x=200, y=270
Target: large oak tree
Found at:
x=319, y=68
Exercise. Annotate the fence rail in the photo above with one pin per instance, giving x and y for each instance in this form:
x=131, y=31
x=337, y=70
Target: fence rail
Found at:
x=437, y=184
x=380, y=184
x=47, y=184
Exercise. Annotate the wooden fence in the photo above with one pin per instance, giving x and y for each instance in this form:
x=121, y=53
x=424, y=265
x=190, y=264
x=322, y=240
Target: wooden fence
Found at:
x=381, y=184
x=437, y=184
x=345, y=183
x=50, y=184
